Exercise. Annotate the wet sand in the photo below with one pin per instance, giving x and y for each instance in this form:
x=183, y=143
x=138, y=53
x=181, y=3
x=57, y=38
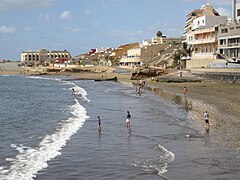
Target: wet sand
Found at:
x=220, y=99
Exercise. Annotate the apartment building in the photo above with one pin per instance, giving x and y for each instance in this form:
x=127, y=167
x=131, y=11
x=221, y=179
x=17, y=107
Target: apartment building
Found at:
x=202, y=35
x=43, y=55
x=229, y=40
x=204, y=22
x=205, y=10
x=205, y=46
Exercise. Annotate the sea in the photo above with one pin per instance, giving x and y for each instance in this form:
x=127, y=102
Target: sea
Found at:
x=50, y=133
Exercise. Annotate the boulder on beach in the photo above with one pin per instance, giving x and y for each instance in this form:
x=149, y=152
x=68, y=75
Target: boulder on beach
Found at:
x=150, y=72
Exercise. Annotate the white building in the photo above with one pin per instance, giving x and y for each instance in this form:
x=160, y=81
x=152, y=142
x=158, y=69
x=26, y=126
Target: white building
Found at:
x=238, y=12
x=205, y=10
x=161, y=40
x=204, y=22
x=132, y=58
x=235, y=11
x=204, y=48
x=43, y=55
x=229, y=37
x=208, y=21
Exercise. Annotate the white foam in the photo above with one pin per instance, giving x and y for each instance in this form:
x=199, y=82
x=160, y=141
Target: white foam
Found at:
x=158, y=164
x=168, y=157
x=6, y=75
x=29, y=161
x=45, y=78
x=80, y=92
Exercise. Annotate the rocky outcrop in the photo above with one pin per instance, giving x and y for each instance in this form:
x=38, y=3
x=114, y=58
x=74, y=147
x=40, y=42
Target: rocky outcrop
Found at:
x=149, y=72
x=49, y=70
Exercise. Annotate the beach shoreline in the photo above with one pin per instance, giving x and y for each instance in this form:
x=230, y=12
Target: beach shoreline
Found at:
x=220, y=99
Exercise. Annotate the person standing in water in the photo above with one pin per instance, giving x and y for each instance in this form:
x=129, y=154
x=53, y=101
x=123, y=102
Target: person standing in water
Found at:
x=185, y=90
x=206, y=118
x=99, y=124
x=73, y=91
x=128, y=120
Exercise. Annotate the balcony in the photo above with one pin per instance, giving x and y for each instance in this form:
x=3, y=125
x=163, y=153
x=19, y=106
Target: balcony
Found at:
x=233, y=44
x=205, y=41
x=230, y=45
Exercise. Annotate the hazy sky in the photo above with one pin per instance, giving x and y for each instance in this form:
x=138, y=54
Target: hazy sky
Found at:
x=79, y=25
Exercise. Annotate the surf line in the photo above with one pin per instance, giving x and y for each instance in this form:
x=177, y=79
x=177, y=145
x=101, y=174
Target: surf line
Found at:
x=31, y=160
x=157, y=164
x=167, y=156
x=78, y=92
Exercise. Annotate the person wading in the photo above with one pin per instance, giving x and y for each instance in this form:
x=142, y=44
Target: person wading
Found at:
x=128, y=120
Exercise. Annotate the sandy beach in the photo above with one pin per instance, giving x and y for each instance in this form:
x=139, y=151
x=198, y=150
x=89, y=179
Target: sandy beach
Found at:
x=220, y=99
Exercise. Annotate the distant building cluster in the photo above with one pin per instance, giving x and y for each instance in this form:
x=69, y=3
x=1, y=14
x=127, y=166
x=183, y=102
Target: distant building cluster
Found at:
x=133, y=54
x=213, y=41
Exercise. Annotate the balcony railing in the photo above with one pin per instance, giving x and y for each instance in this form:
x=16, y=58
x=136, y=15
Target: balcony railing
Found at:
x=230, y=45
x=206, y=40
x=233, y=44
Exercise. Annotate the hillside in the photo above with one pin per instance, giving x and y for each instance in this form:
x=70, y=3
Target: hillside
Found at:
x=166, y=56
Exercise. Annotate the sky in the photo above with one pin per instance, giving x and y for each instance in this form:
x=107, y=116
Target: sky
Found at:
x=81, y=25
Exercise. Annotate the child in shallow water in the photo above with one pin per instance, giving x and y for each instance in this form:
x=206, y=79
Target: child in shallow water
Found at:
x=99, y=124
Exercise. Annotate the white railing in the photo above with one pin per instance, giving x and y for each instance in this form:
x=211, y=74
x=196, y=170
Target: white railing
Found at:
x=233, y=44
x=206, y=40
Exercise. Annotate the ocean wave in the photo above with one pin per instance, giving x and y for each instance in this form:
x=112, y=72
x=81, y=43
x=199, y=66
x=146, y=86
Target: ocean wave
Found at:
x=44, y=78
x=31, y=160
x=79, y=92
x=156, y=165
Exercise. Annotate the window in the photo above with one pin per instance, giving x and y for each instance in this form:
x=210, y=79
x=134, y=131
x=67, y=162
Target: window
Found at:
x=225, y=30
x=222, y=41
x=238, y=12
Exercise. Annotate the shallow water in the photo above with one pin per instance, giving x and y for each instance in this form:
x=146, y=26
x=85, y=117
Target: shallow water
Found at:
x=52, y=134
